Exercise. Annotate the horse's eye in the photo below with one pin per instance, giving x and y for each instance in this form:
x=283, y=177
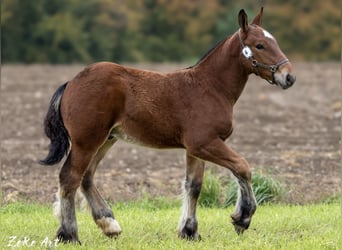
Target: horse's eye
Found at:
x=260, y=46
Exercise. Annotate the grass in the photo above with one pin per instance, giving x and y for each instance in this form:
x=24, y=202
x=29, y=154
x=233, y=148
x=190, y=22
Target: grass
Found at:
x=151, y=224
x=210, y=192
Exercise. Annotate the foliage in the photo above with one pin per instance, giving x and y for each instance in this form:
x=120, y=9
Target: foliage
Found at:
x=266, y=189
x=211, y=189
x=314, y=28
x=62, y=31
x=273, y=227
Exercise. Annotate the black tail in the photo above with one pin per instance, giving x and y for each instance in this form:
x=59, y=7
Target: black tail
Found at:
x=55, y=130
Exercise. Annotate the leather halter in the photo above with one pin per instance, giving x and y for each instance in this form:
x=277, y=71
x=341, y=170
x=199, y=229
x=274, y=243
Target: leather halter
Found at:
x=272, y=68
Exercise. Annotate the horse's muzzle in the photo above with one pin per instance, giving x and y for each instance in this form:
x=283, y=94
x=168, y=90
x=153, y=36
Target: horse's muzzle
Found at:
x=284, y=80
x=289, y=81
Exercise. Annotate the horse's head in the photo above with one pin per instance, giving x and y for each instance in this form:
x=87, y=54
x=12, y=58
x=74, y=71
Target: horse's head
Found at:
x=261, y=53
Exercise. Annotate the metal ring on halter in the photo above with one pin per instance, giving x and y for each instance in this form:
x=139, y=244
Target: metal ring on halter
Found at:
x=273, y=68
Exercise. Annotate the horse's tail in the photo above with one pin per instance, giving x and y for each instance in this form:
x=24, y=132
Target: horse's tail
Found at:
x=55, y=130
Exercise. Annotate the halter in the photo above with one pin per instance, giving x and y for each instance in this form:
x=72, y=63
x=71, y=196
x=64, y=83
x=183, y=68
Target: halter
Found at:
x=247, y=52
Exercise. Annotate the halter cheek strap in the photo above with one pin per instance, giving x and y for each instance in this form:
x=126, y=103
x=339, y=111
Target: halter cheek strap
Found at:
x=247, y=52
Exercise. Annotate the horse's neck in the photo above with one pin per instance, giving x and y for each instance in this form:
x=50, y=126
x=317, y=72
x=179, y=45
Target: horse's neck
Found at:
x=223, y=69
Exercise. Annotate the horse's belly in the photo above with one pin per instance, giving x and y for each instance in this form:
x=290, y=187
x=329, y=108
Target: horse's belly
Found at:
x=149, y=138
x=120, y=135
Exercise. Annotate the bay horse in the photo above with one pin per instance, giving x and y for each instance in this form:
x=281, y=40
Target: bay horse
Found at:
x=190, y=108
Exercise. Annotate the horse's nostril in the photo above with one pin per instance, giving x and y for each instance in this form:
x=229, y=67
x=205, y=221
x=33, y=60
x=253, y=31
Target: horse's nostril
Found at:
x=290, y=79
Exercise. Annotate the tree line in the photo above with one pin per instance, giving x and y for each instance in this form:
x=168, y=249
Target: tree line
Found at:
x=66, y=31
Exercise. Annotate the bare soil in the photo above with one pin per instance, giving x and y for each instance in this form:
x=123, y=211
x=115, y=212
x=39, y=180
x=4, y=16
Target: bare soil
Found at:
x=294, y=135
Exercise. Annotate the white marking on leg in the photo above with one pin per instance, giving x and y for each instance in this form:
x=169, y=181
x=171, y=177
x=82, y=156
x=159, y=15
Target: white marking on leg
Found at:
x=57, y=206
x=109, y=226
x=237, y=211
x=185, y=209
x=268, y=34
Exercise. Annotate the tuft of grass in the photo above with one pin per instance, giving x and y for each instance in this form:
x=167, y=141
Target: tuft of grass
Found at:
x=211, y=189
x=266, y=189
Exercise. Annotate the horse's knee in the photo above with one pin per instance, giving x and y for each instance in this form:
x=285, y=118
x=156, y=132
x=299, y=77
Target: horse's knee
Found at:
x=243, y=170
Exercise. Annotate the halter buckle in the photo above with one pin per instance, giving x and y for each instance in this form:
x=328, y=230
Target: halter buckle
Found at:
x=273, y=68
x=254, y=63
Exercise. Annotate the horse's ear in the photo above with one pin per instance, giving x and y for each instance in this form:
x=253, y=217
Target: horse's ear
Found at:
x=258, y=19
x=243, y=20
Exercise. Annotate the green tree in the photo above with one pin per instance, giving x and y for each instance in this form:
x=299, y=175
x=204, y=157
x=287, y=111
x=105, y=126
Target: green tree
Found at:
x=62, y=31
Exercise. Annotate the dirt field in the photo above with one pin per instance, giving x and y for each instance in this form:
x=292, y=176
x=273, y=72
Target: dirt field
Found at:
x=293, y=134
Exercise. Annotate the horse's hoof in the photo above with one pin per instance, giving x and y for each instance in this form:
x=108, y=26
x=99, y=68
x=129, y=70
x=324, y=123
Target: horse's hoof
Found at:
x=192, y=237
x=189, y=231
x=239, y=230
x=109, y=226
x=241, y=225
x=65, y=237
x=113, y=235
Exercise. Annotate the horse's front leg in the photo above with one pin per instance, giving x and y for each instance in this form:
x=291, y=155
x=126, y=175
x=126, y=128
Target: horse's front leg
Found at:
x=244, y=208
x=218, y=152
x=188, y=225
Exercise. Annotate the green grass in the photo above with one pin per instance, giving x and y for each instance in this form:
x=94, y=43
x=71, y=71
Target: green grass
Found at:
x=211, y=190
x=152, y=225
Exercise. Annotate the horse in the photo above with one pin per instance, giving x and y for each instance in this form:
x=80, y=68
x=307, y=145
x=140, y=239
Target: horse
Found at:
x=190, y=108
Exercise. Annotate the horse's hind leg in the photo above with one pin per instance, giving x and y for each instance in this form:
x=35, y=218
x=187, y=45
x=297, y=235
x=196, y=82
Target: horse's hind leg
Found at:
x=188, y=225
x=101, y=212
x=70, y=178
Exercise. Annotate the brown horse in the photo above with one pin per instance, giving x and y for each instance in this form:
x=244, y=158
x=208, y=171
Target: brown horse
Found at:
x=190, y=109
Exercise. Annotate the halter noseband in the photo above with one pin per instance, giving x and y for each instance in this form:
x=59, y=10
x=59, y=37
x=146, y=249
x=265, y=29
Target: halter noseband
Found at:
x=249, y=55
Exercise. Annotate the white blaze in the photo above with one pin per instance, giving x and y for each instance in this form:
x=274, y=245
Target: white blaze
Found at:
x=268, y=34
